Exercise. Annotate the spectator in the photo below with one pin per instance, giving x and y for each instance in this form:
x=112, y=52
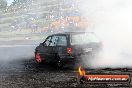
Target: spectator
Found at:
x=34, y=28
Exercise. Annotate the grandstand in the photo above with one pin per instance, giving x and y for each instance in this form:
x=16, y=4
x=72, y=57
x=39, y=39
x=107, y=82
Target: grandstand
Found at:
x=39, y=15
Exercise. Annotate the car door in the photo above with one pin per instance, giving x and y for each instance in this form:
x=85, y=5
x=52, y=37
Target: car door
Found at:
x=45, y=49
x=60, y=46
x=52, y=49
x=53, y=45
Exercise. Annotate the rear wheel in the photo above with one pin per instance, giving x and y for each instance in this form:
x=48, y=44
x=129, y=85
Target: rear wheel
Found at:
x=59, y=63
x=38, y=58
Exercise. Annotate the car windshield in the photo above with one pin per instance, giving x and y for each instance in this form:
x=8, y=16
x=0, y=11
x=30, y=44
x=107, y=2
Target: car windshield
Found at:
x=84, y=38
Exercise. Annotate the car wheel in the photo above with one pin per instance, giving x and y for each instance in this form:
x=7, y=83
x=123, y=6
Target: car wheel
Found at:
x=38, y=58
x=59, y=63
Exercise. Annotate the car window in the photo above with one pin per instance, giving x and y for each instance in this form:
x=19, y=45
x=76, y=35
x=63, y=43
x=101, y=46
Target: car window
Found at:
x=83, y=38
x=47, y=42
x=53, y=41
x=58, y=41
x=61, y=41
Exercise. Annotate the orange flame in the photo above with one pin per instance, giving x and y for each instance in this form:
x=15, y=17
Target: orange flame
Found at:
x=81, y=71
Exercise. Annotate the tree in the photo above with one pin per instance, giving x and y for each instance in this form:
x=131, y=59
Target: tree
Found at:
x=3, y=4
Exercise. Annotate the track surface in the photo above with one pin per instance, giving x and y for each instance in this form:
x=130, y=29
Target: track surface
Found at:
x=19, y=70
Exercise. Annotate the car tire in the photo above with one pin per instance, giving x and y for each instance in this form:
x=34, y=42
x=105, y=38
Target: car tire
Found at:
x=59, y=63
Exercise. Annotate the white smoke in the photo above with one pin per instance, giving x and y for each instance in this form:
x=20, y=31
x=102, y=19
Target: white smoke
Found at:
x=112, y=21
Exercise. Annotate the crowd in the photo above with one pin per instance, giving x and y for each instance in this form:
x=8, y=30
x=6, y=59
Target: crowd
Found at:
x=58, y=18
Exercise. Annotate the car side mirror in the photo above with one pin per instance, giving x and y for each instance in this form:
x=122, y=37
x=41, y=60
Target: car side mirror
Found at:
x=43, y=44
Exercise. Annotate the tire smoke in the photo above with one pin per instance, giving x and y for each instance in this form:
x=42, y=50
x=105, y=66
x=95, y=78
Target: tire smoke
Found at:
x=112, y=22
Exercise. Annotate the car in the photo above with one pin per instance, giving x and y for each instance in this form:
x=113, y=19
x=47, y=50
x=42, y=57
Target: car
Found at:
x=64, y=49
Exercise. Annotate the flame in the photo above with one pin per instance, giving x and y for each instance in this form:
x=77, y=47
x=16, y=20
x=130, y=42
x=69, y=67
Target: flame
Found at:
x=82, y=72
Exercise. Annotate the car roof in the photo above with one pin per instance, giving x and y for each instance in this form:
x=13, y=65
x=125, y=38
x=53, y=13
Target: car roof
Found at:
x=69, y=33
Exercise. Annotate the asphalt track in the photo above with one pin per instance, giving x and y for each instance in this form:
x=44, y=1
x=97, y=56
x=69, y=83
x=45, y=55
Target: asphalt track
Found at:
x=18, y=69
